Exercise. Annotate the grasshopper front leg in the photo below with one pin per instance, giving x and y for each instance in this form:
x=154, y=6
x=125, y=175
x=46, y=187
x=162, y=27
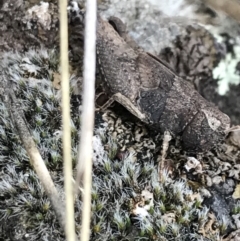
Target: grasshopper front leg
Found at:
x=125, y=102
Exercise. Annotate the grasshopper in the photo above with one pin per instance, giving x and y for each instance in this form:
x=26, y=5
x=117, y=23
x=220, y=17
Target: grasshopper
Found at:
x=150, y=90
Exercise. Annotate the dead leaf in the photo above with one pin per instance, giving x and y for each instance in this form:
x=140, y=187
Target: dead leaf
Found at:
x=57, y=81
x=236, y=193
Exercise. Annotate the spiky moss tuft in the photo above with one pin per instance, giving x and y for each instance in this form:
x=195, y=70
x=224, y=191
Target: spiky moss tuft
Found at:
x=25, y=210
x=33, y=76
x=123, y=168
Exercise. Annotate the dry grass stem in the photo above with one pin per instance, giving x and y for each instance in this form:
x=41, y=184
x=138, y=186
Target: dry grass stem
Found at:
x=166, y=139
x=36, y=160
x=85, y=148
x=70, y=223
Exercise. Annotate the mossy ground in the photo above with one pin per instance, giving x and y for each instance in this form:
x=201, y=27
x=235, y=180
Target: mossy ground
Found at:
x=125, y=164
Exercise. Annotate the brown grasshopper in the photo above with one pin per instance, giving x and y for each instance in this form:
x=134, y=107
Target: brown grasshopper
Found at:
x=150, y=90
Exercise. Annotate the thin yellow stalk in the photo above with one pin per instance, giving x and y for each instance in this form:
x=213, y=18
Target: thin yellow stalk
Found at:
x=36, y=160
x=70, y=225
x=85, y=148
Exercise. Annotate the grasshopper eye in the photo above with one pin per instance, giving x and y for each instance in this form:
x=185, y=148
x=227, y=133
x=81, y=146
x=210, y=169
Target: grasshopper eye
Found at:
x=118, y=25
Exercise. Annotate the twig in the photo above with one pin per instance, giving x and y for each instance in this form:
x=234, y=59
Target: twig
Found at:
x=36, y=160
x=166, y=139
x=70, y=226
x=85, y=148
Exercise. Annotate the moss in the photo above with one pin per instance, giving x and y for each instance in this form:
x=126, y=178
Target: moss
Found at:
x=125, y=165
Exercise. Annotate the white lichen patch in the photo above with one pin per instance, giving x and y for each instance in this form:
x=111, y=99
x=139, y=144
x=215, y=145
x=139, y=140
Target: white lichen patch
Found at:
x=98, y=150
x=193, y=163
x=140, y=211
x=41, y=14
x=236, y=218
x=226, y=69
x=147, y=198
x=74, y=6
x=174, y=8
